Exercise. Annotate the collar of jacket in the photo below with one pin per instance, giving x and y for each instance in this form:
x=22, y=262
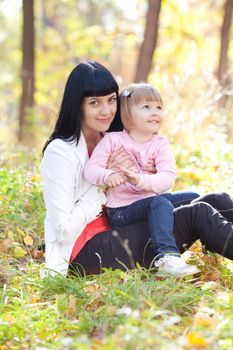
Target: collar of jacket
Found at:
x=81, y=149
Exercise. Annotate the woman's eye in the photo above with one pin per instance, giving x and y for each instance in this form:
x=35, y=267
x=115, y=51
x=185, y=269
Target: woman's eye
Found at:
x=94, y=103
x=113, y=99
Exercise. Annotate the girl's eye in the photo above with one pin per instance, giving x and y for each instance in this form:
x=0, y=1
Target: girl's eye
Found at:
x=146, y=106
x=159, y=107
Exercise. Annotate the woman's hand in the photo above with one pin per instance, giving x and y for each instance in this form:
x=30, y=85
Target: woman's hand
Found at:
x=120, y=158
x=150, y=167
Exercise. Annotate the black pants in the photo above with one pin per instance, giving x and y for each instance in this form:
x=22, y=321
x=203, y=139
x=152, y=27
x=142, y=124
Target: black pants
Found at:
x=208, y=218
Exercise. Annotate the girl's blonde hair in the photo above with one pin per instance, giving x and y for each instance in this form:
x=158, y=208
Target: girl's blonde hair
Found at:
x=133, y=94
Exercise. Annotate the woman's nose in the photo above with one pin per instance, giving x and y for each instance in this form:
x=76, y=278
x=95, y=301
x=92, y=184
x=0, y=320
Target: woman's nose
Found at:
x=104, y=109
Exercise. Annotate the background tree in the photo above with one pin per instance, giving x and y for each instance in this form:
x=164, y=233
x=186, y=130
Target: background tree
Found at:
x=150, y=40
x=28, y=69
x=225, y=34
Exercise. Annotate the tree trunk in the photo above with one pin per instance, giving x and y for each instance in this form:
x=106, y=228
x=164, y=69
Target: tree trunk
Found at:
x=225, y=32
x=149, y=42
x=27, y=73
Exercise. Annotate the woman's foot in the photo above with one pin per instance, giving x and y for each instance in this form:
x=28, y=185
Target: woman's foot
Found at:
x=175, y=266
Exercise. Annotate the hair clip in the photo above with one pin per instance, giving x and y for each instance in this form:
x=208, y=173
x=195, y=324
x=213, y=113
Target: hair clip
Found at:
x=126, y=93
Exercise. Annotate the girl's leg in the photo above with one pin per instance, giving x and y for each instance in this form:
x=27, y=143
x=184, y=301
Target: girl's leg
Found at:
x=220, y=201
x=201, y=221
x=159, y=213
x=179, y=198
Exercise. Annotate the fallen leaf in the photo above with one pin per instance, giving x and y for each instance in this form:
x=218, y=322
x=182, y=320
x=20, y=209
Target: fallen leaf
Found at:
x=91, y=288
x=5, y=245
x=20, y=231
x=28, y=240
x=11, y=235
x=36, y=254
x=72, y=306
x=213, y=275
x=19, y=252
x=196, y=340
x=204, y=321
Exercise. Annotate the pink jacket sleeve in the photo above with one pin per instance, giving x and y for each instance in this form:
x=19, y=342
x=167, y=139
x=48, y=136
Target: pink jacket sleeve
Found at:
x=165, y=176
x=95, y=169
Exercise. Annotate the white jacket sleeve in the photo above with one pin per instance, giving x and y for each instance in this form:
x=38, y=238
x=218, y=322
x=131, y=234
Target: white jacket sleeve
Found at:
x=95, y=170
x=68, y=215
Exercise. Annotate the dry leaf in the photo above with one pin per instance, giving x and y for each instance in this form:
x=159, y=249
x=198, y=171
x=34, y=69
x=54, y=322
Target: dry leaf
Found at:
x=28, y=240
x=36, y=254
x=10, y=234
x=5, y=245
x=196, y=340
x=20, y=231
x=91, y=288
x=204, y=321
x=19, y=252
x=213, y=275
x=72, y=307
x=95, y=305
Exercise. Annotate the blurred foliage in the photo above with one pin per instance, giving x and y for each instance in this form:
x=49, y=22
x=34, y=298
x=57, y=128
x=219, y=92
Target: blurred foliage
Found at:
x=21, y=202
x=111, y=32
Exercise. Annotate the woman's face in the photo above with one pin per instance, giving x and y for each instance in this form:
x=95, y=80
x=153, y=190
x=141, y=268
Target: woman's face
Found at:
x=98, y=112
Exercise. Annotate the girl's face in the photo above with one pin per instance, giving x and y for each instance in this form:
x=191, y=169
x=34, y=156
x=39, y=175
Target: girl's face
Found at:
x=98, y=113
x=146, y=117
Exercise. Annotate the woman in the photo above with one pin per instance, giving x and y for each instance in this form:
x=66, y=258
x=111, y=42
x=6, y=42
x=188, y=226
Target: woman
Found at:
x=74, y=229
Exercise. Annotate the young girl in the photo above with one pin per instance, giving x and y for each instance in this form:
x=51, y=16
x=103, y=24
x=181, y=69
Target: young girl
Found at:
x=132, y=195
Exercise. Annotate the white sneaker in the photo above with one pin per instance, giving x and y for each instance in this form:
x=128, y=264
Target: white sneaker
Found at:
x=175, y=266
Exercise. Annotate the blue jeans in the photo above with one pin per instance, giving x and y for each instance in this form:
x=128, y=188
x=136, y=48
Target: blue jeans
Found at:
x=179, y=198
x=158, y=210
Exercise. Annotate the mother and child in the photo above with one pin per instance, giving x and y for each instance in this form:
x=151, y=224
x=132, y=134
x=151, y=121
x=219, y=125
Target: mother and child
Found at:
x=105, y=183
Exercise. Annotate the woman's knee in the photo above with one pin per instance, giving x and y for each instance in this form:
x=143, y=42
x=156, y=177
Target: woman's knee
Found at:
x=216, y=199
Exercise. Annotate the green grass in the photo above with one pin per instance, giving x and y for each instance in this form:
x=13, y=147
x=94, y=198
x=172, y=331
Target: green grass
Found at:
x=116, y=310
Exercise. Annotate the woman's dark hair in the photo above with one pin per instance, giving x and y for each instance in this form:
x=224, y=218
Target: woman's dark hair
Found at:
x=87, y=79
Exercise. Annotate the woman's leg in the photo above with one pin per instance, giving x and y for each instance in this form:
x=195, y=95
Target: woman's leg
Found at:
x=179, y=198
x=120, y=249
x=200, y=220
x=220, y=201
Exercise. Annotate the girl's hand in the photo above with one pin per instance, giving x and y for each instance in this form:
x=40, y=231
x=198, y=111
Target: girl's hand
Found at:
x=150, y=167
x=130, y=176
x=120, y=158
x=115, y=179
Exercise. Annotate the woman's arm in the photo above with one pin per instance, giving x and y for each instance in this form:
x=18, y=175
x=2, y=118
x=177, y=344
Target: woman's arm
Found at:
x=67, y=215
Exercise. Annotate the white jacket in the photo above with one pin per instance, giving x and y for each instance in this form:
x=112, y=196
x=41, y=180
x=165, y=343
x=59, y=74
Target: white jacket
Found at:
x=71, y=202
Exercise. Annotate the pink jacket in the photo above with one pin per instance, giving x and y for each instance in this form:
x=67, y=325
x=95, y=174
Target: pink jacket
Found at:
x=149, y=185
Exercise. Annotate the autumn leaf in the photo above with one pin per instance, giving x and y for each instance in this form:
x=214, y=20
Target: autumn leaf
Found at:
x=19, y=252
x=28, y=240
x=213, y=275
x=91, y=288
x=72, y=306
x=36, y=254
x=21, y=232
x=5, y=245
x=204, y=321
x=196, y=340
x=10, y=235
